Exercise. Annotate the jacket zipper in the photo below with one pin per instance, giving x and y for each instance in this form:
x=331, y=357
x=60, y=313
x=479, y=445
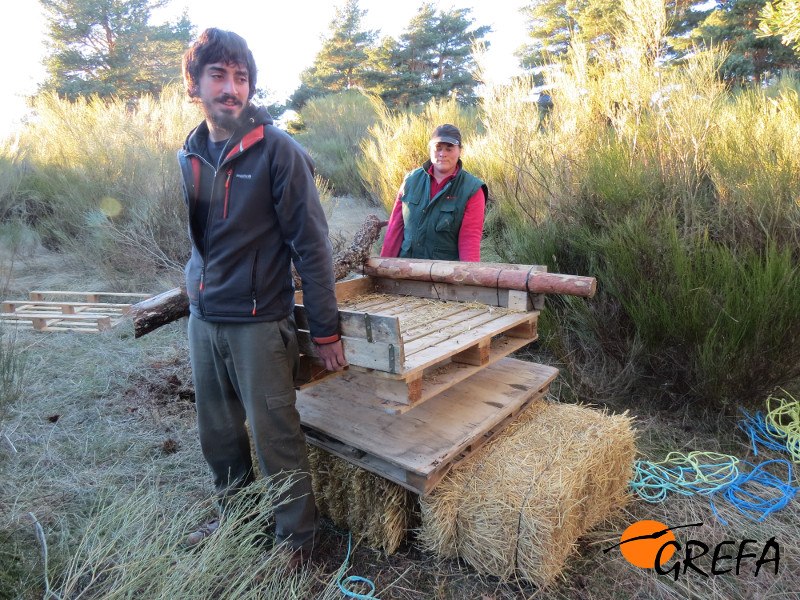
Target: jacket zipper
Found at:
x=253, y=282
x=227, y=193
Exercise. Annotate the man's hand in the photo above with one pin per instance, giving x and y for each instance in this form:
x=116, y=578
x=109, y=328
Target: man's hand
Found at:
x=332, y=355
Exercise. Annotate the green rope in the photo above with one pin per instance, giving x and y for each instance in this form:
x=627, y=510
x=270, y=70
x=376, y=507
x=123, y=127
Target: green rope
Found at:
x=694, y=473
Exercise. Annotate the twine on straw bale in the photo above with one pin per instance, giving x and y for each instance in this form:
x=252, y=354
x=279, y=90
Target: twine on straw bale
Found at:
x=375, y=510
x=518, y=505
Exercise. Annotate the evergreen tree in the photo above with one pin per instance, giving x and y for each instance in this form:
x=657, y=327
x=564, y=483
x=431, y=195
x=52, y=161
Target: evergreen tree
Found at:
x=782, y=18
x=554, y=24
x=107, y=47
x=342, y=62
x=433, y=58
x=734, y=24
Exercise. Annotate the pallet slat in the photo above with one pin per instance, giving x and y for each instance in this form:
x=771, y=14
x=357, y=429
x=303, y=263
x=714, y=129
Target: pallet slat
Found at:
x=417, y=448
x=87, y=315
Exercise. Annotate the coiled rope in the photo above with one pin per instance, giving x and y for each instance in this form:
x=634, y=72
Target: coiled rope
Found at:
x=753, y=490
x=343, y=582
x=777, y=429
x=695, y=473
x=755, y=505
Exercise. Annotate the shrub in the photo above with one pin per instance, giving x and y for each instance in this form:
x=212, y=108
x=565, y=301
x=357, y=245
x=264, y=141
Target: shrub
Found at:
x=333, y=128
x=99, y=179
x=679, y=197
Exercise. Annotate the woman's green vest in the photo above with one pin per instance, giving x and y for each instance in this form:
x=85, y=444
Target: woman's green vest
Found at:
x=431, y=227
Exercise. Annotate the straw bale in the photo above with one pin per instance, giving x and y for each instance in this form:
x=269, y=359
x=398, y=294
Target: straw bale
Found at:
x=375, y=510
x=519, y=504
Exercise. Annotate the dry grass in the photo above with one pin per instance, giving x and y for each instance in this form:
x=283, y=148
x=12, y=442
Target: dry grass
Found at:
x=376, y=511
x=102, y=449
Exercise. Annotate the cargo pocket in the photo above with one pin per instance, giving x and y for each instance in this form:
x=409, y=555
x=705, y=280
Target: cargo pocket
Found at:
x=280, y=400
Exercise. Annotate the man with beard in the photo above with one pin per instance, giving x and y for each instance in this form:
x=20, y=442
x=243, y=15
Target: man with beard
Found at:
x=253, y=209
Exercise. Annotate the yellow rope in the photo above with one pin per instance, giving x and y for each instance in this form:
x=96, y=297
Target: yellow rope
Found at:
x=784, y=421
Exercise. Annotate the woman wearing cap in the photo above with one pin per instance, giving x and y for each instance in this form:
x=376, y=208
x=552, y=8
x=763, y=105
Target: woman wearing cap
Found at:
x=438, y=213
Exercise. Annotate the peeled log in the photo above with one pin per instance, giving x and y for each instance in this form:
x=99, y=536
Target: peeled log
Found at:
x=174, y=304
x=526, y=278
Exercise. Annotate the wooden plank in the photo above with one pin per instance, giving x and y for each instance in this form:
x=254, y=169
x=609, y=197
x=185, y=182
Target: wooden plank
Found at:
x=476, y=356
x=383, y=356
x=459, y=293
x=349, y=288
x=55, y=315
x=445, y=344
x=370, y=326
x=401, y=392
x=16, y=305
x=417, y=448
x=43, y=321
x=92, y=297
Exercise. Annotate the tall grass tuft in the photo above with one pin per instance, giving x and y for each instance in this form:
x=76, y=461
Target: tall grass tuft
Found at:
x=333, y=128
x=13, y=370
x=132, y=548
x=100, y=179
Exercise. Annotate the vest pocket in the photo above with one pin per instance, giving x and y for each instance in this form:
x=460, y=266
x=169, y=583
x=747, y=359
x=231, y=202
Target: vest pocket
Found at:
x=446, y=220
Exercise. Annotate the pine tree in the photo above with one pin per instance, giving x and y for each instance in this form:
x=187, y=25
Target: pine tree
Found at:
x=433, y=58
x=782, y=18
x=733, y=25
x=107, y=47
x=342, y=62
x=554, y=24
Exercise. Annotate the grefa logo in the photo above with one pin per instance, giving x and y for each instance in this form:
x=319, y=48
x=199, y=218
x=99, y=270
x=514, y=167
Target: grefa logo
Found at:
x=651, y=545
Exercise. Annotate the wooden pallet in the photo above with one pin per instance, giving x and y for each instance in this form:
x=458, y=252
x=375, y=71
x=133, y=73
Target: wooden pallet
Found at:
x=405, y=348
x=417, y=448
x=86, y=315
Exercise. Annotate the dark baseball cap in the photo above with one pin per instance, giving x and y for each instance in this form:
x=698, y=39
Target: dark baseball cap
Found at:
x=446, y=133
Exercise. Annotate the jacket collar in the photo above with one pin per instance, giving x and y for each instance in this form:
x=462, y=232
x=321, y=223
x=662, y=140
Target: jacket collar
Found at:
x=253, y=119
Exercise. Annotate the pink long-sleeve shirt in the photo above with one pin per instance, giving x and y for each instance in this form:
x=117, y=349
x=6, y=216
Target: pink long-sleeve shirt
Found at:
x=469, y=236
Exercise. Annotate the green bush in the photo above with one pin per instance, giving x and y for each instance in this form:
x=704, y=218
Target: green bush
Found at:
x=680, y=198
x=333, y=128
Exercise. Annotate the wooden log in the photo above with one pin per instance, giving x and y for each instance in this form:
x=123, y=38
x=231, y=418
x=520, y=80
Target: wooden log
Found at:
x=527, y=278
x=173, y=304
x=159, y=310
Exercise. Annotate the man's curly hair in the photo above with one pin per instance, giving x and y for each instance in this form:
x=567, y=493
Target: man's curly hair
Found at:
x=217, y=46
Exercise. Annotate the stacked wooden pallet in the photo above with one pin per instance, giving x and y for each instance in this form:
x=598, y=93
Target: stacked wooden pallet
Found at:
x=86, y=312
x=430, y=378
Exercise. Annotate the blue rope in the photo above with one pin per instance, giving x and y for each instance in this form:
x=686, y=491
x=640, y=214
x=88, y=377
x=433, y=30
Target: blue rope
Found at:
x=350, y=579
x=752, y=505
x=702, y=473
x=761, y=432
